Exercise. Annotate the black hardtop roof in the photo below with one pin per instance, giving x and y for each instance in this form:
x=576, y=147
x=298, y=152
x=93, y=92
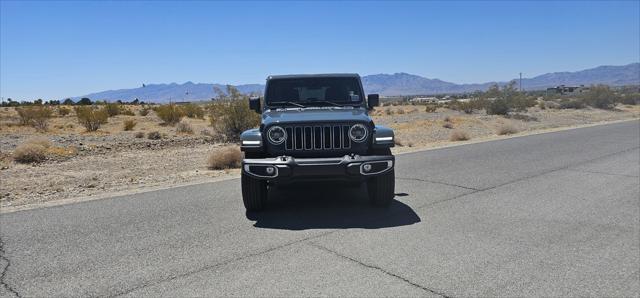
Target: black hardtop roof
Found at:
x=322, y=75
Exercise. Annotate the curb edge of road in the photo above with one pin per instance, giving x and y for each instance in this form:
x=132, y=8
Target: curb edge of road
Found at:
x=69, y=201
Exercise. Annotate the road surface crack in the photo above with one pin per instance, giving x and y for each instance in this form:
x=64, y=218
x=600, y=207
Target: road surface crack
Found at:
x=602, y=173
x=438, y=182
x=5, y=269
x=379, y=269
x=566, y=167
x=215, y=265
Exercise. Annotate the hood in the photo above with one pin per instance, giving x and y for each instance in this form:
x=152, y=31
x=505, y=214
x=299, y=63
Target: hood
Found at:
x=322, y=114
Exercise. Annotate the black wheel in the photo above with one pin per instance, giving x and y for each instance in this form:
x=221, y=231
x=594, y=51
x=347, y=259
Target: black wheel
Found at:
x=254, y=193
x=382, y=188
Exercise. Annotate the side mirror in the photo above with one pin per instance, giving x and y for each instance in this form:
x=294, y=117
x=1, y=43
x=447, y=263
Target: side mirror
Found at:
x=254, y=104
x=373, y=100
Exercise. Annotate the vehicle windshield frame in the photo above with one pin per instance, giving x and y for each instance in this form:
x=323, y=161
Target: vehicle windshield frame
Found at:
x=354, y=80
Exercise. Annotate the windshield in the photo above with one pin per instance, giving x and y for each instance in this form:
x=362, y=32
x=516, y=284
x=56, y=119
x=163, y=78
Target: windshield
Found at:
x=314, y=91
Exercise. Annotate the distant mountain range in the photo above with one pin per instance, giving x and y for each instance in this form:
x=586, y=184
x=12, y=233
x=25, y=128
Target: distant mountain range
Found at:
x=384, y=84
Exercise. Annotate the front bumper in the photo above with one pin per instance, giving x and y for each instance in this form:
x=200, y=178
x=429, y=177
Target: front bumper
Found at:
x=346, y=167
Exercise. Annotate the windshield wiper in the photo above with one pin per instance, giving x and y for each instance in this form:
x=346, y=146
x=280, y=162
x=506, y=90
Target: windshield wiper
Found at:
x=324, y=101
x=287, y=103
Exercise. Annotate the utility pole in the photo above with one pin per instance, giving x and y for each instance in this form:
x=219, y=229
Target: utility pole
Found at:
x=520, y=82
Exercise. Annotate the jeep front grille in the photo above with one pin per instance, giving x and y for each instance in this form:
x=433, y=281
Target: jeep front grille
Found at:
x=318, y=137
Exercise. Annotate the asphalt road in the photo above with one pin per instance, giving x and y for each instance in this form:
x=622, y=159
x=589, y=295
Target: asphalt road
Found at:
x=554, y=214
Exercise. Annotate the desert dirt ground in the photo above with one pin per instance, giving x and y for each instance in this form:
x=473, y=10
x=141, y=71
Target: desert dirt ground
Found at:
x=111, y=160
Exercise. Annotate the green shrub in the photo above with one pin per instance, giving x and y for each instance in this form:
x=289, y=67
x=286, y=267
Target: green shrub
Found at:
x=112, y=109
x=599, y=96
x=91, y=118
x=193, y=111
x=169, y=113
x=498, y=107
x=37, y=116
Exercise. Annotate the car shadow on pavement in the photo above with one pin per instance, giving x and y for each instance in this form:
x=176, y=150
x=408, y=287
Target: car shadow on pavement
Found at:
x=317, y=206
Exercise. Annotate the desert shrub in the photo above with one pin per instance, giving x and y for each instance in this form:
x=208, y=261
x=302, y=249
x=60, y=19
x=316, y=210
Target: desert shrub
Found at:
x=571, y=104
x=630, y=99
x=522, y=117
x=62, y=111
x=401, y=112
x=31, y=151
x=599, y=96
x=398, y=141
x=430, y=108
x=551, y=105
x=127, y=112
x=447, y=119
x=233, y=117
x=193, y=111
x=129, y=124
x=112, y=109
x=139, y=135
x=498, y=107
x=541, y=105
x=37, y=116
x=169, y=113
x=184, y=127
x=90, y=117
x=143, y=112
x=388, y=112
x=506, y=129
x=225, y=158
x=448, y=125
x=154, y=135
x=459, y=135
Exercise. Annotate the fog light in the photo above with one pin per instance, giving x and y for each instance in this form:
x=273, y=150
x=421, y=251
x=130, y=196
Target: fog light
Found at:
x=366, y=167
x=270, y=170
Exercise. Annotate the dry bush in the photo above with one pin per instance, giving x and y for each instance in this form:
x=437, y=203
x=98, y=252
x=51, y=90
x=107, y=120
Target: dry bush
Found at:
x=430, y=108
x=63, y=111
x=388, y=112
x=398, y=142
x=447, y=119
x=459, y=135
x=184, y=127
x=401, y=111
x=144, y=112
x=193, y=111
x=127, y=112
x=41, y=116
x=129, y=124
x=506, y=129
x=447, y=125
x=31, y=151
x=170, y=113
x=91, y=118
x=113, y=109
x=139, y=135
x=154, y=135
x=225, y=158
x=37, y=117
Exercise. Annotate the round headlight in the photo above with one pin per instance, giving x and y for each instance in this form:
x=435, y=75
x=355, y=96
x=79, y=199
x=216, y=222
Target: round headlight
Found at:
x=276, y=135
x=358, y=133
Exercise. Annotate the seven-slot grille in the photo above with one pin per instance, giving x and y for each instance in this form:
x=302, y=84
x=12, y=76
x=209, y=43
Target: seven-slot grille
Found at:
x=318, y=137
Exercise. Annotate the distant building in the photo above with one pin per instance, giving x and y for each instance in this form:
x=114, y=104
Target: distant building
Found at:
x=424, y=99
x=567, y=90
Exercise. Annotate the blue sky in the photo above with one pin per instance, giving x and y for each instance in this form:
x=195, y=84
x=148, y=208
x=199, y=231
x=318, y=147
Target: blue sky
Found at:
x=52, y=50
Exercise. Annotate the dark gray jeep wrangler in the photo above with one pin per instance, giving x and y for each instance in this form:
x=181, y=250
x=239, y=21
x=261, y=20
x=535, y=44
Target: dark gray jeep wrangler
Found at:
x=316, y=128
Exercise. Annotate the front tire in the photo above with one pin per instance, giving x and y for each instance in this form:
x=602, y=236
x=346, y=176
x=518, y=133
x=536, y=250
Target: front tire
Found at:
x=382, y=189
x=254, y=193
